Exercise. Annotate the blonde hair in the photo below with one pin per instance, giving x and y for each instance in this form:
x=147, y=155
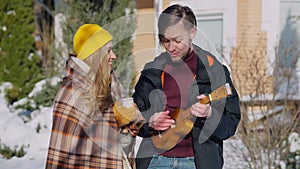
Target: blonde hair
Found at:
x=98, y=61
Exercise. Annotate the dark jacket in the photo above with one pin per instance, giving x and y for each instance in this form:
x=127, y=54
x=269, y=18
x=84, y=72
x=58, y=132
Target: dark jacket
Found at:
x=207, y=134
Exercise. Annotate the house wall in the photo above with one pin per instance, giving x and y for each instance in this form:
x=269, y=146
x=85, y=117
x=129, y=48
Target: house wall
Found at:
x=144, y=48
x=145, y=39
x=249, y=56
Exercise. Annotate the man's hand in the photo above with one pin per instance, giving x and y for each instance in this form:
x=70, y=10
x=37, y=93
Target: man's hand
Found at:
x=161, y=121
x=201, y=110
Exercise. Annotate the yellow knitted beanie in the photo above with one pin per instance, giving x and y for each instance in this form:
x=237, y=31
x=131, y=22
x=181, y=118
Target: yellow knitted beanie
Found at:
x=88, y=39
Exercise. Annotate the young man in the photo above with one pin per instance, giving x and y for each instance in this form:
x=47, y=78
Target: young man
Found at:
x=179, y=78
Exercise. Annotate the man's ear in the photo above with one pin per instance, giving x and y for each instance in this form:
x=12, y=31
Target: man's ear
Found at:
x=193, y=32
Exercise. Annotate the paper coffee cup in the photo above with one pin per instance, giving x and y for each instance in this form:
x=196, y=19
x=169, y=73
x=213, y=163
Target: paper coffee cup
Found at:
x=127, y=102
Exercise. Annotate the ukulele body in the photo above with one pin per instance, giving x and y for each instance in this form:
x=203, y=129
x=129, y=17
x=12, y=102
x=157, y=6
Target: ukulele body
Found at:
x=169, y=138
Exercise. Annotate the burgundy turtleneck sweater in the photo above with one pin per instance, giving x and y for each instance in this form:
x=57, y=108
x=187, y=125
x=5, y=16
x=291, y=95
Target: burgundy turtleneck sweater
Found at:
x=178, y=79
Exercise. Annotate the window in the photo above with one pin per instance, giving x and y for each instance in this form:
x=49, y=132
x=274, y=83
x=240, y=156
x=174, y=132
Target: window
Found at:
x=210, y=32
x=289, y=41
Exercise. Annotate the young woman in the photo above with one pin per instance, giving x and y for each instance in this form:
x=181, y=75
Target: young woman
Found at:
x=85, y=133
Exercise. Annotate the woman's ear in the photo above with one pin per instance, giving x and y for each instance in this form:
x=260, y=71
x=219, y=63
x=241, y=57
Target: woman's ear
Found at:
x=193, y=32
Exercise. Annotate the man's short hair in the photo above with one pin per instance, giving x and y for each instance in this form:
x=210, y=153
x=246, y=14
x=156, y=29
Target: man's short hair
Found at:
x=172, y=15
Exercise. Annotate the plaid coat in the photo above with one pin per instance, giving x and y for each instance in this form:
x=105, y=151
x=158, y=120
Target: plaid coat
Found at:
x=82, y=136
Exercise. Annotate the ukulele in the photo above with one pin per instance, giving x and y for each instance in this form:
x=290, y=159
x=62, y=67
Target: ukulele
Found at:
x=184, y=121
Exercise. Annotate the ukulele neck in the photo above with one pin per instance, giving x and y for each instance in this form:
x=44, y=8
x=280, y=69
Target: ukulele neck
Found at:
x=221, y=92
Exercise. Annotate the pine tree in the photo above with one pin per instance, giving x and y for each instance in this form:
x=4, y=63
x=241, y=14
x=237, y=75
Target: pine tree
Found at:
x=19, y=62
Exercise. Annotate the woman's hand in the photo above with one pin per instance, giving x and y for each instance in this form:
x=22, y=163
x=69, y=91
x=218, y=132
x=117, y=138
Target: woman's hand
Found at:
x=124, y=115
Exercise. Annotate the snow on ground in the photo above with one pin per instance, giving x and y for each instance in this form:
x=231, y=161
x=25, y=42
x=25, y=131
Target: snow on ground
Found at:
x=14, y=132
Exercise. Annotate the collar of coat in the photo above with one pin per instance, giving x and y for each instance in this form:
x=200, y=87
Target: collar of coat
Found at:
x=79, y=73
x=82, y=65
x=206, y=62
